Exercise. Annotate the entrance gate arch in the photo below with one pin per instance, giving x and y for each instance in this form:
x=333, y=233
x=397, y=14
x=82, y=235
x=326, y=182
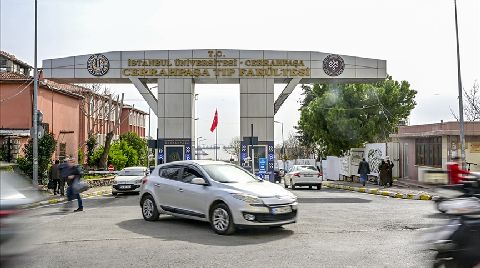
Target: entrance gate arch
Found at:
x=177, y=71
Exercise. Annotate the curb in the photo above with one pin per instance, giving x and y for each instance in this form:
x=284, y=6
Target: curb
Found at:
x=63, y=199
x=376, y=191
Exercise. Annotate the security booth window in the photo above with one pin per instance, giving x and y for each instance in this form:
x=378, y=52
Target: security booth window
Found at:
x=260, y=151
x=428, y=151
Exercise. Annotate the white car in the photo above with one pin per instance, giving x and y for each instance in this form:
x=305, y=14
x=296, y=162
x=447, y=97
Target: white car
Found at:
x=129, y=180
x=303, y=175
x=223, y=194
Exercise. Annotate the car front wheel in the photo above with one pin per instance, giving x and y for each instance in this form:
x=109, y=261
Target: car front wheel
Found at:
x=221, y=220
x=149, y=209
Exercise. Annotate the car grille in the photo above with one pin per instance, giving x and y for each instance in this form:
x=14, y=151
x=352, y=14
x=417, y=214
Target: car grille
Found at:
x=266, y=217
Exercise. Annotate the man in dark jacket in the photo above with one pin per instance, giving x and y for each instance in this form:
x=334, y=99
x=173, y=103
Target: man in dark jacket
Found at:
x=72, y=174
x=363, y=170
x=390, y=166
x=55, y=177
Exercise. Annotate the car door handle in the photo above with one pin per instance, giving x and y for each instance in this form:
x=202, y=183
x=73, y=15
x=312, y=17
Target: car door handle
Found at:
x=180, y=190
x=157, y=184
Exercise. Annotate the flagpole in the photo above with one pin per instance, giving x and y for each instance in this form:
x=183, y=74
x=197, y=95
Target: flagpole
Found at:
x=216, y=146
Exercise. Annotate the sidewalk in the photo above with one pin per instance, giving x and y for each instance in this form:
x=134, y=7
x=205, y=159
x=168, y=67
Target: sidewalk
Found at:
x=415, y=193
x=49, y=198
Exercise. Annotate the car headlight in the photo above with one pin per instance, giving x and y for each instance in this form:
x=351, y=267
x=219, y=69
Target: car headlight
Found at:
x=250, y=199
x=115, y=182
x=139, y=181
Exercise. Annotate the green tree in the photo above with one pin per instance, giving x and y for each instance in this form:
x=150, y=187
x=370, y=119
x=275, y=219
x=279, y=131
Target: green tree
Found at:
x=95, y=157
x=339, y=117
x=91, y=143
x=138, y=144
x=116, y=157
x=46, y=147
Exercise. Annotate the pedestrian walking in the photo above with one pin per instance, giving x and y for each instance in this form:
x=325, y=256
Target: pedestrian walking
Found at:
x=382, y=173
x=363, y=171
x=72, y=174
x=390, y=166
x=55, y=177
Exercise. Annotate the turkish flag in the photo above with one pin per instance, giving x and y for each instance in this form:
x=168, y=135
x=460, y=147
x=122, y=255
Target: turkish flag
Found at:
x=215, y=122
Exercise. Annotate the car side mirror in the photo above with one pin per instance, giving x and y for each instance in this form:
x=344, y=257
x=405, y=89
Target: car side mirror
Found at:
x=199, y=181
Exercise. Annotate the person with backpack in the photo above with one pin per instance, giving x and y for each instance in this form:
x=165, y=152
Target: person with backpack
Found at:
x=363, y=171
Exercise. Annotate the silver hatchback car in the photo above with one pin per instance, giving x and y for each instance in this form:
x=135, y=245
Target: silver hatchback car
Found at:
x=223, y=194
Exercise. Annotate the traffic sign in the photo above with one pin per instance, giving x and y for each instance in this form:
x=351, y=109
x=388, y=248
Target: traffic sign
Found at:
x=110, y=168
x=262, y=165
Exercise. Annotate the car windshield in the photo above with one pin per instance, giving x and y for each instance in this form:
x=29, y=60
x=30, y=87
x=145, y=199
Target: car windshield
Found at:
x=229, y=174
x=131, y=172
x=307, y=168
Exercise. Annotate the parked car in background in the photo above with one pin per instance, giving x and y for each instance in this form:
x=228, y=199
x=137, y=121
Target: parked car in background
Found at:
x=303, y=175
x=223, y=194
x=129, y=180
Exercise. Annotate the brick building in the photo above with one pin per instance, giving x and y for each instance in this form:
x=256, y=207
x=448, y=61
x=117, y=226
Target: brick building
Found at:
x=70, y=112
x=60, y=109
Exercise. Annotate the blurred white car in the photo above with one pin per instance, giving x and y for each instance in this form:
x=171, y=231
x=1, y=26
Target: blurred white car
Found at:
x=129, y=180
x=16, y=236
x=303, y=175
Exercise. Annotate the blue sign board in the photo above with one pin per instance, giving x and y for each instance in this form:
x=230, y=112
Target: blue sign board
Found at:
x=262, y=165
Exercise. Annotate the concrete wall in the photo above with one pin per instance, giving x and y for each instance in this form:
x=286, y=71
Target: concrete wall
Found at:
x=175, y=108
x=256, y=107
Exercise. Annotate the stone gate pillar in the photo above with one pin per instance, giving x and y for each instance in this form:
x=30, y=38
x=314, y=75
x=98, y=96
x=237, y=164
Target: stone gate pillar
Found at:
x=256, y=107
x=175, y=119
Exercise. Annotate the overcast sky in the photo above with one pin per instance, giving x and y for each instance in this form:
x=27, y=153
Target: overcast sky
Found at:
x=416, y=37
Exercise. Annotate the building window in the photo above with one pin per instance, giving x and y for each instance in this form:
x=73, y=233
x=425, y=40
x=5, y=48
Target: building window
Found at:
x=62, y=151
x=428, y=151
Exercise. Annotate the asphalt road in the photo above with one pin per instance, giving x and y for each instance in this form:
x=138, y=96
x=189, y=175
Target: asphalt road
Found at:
x=335, y=229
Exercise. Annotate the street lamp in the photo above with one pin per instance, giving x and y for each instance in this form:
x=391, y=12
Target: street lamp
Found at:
x=283, y=141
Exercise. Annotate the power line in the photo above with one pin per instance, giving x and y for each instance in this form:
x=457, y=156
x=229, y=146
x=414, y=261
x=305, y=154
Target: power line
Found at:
x=18, y=93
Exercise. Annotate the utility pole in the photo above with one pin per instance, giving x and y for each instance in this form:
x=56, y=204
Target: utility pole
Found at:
x=253, y=150
x=283, y=141
x=460, y=91
x=35, y=108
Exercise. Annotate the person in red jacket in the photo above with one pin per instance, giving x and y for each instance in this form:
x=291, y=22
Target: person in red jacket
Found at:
x=455, y=172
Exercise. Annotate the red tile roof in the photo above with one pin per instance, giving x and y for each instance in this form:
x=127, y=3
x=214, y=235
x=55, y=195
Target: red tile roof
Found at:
x=13, y=76
x=13, y=58
x=60, y=88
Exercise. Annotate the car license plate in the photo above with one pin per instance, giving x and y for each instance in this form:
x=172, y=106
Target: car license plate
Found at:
x=281, y=210
x=124, y=186
x=308, y=175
